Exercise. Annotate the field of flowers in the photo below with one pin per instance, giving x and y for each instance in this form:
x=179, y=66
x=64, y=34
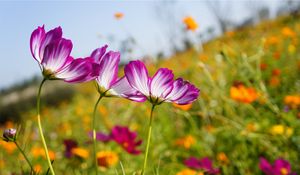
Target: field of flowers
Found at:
x=245, y=120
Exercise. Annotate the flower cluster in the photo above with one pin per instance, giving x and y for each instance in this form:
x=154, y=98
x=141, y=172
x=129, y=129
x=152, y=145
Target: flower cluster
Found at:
x=280, y=167
x=243, y=94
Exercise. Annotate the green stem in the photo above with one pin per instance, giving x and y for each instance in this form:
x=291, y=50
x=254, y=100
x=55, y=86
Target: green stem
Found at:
x=94, y=134
x=24, y=155
x=148, y=140
x=41, y=129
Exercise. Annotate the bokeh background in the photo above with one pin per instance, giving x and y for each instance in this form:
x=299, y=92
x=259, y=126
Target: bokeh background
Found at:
x=242, y=55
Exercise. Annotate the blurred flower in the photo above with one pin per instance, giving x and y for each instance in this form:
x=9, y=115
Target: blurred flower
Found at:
x=276, y=55
x=183, y=107
x=281, y=130
x=190, y=23
x=293, y=101
x=288, y=32
x=272, y=40
x=276, y=72
x=39, y=152
x=274, y=81
x=161, y=87
x=107, y=80
x=80, y=152
x=189, y=172
x=230, y=33
x=69, y=145
x=119, y=15
x=52, y=52
x=2, y=163
x=123, y=136
x=107, y=158
x=243, y=94
x=186, y=141
x=9, y=135
x=291, y=49
x=9, y=147
x=222, y=157
x=280, y=167
x=204, y=164
x=263, y=66
x=37, y=168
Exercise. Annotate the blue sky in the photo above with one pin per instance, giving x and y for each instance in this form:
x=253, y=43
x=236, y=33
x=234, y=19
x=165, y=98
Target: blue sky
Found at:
x=88, y=24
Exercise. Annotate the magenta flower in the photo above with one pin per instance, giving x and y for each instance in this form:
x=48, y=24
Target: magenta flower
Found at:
x=204, y=164
x=108, y=82
x=52, y=52
x=280, y=167
x=122, y=136
x=161, y=87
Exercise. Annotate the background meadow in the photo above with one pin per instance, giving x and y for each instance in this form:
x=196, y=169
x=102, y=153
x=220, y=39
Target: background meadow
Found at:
x=248, y=108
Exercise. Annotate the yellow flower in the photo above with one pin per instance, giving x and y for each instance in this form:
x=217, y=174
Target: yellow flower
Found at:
x=281, y=130
x=107, y=158
x=119, y=15
x=291, y=49
x=190, y=23
x=183, y=107
x=189, y=172
x=80, y=152
x=186, y=141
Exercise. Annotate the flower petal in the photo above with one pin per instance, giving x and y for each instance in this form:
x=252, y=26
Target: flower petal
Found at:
x=36, y=39
x=265, y=166
x=97, y=54
x=53, y=35
x=183, y=92
x=56, y=55
x=123, y=89
x=137, y=76
x=162, y=83
x=109, y=66
x=80, y=70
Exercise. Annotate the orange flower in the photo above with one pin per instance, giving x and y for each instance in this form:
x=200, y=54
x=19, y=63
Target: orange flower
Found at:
x=107, y=158
x=263, y=66
x=189, y=172
x=276, y=55
x=272, y=40
x=222, y=157
x=288, y=32
x=276, y=72
x=39, y=152
x=190, y=23
x=80, y=152
x=8, y=146
x=186, y=141
x=292, y=101
x=243, y=94
x=37, y=168
x=274, y=81
x=183, y=107
x=119, y=15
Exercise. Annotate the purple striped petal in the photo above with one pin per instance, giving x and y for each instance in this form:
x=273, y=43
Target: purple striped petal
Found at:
x=109, y=66
x=123, y=89
x=97, y=54
x=36, y=39
x=56, y=55
x=137, y=76
x=80, y=70
x=183, y=92
x=162, y=83
x=52, y=36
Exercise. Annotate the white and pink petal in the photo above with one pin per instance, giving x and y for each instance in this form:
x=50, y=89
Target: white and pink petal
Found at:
x=36, y=40
x=51, y=36
x=162, y=83
x=98, y=54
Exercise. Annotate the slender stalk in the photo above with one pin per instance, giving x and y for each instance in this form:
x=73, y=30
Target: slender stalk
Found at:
x=148, y=140
x=94, y=134
x=24, y=155
x=41, y=128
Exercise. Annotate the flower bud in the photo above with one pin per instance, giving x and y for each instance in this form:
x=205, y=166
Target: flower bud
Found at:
x=9, y=135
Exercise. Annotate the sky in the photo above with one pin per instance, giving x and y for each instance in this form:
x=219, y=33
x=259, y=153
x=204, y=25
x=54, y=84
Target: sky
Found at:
x=89, y=24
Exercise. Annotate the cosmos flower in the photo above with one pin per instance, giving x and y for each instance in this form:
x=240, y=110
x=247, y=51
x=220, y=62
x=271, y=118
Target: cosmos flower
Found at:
x=107, y=158
x=243, y=94
x=204, y=164
x=119, y=15
x=80, y=152
x=108, y=82
x=52, y=52
x=189, y=172
x=122, y=136
x=9, y=135
x=280, y=167
x=161, y=87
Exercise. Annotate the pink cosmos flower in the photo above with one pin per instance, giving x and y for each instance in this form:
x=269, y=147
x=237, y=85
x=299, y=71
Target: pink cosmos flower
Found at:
x=52, y=52
x=280, y=167
x=108, y=82
x=122, y=136
x=204, y=164
x=161, y=87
